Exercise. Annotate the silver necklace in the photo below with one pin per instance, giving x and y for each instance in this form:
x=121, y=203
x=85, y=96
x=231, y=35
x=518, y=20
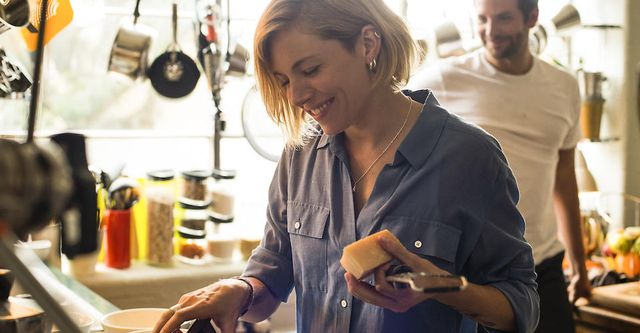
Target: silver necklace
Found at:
x=355, y=183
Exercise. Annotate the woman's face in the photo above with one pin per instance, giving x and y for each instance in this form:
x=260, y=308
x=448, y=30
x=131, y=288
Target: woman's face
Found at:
x=329, y=83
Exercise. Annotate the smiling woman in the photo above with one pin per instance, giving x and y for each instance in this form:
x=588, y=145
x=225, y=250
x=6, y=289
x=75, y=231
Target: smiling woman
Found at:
x=363, y=157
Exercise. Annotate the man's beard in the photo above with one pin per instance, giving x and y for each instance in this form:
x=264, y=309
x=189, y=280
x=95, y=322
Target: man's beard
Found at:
x=514, y=44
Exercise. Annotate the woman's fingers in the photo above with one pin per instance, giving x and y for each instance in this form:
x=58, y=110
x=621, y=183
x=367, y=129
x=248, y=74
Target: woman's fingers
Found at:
x=397, y=301
x=382, y=285
x=162, y=321
x=396, y=249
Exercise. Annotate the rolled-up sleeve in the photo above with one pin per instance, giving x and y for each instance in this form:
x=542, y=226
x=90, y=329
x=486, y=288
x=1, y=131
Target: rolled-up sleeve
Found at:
x=502, y=258
x=271, y=261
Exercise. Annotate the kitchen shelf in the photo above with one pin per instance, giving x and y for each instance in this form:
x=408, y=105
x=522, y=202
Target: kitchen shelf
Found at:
x=601, y=140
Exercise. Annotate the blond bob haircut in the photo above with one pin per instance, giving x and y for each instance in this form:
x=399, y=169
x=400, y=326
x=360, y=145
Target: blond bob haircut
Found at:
x=340, y=20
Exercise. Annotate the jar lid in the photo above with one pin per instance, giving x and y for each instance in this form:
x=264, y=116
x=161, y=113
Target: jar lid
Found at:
x=191, y=233
x=161, y=175
x=187, y=203
x=197, y=175
x=223, y=174
x=219, y=218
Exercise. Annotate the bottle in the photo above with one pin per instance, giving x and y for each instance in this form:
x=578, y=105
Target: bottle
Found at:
x=221, y=240
x=222, y=196
x=192, y=246
x=160, y=205
x=193, y=217
x=194, y=187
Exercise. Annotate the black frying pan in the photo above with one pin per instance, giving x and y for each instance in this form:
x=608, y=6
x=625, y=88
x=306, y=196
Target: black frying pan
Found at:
x=174, y=74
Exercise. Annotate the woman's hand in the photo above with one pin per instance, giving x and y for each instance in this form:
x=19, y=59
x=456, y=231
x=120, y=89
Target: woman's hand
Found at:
x=222, y=301
x=383, y=294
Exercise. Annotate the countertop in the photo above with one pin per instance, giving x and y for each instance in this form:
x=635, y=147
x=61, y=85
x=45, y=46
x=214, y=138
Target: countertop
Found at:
x=142, y=285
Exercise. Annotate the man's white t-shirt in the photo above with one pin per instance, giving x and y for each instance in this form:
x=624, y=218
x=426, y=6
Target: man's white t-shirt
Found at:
x=533, y=116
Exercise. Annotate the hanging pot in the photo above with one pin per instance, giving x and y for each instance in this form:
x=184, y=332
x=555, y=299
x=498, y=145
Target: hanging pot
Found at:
x=130, y=51
x=13, y=14
x=174, y=74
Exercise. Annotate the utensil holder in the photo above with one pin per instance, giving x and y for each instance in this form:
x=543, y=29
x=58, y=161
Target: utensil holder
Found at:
x=117, y=234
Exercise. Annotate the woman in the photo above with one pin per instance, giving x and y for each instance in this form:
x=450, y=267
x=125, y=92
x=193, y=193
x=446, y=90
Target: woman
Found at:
x=363, y=157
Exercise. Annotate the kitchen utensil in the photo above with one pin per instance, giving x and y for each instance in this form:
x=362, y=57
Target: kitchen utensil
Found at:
x=13, y=14
x=126, y=321
x=590, y=84
x=6, y=282
x=211, y=56
x=448, y=40
x=117, y=239
x=123, y=193
x=16, y=318
x=623, y=297
x=238, y=60
x=174, y=74
x=130, y=51
x=566, y=19
x=537, y=39
x=425, y=282
x=204, y=326
x=13, y=78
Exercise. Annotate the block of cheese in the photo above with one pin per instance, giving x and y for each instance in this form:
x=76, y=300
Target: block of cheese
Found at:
x=362, y=257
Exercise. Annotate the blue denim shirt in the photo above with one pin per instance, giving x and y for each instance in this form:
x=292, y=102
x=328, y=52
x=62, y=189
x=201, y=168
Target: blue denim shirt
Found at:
x=449, y=196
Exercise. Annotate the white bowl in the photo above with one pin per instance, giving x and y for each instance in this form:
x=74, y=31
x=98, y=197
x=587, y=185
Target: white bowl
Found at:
x=83, y=321
x=131, y=320
x=40, y=247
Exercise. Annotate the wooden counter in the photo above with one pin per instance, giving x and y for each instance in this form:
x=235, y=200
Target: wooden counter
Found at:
x=613, y=308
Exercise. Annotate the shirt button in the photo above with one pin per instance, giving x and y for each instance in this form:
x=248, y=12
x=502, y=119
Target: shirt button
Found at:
x=343, y=303
x=417, y=244
x=297, y=225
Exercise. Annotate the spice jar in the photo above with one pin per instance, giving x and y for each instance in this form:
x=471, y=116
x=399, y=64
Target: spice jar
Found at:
x=160, y=203
x=222, y=195
x=221, y=240
x=193, y=217
x=192, y=246
x=194, y=186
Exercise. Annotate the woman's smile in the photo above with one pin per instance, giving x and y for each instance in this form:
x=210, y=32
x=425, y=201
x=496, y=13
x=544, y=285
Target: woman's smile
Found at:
x=317, y=112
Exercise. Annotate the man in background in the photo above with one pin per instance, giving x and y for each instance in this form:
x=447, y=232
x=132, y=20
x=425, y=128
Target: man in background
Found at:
x=532, y=108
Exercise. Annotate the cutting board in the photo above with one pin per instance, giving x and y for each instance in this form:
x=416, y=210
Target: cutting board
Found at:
x=623, y=297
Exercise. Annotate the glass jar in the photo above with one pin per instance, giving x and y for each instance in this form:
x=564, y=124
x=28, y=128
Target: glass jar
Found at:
x=160, y=203
x=192, y=246
x=194, y=186
x=221, y=240
x=222, y=196
x=193, y=217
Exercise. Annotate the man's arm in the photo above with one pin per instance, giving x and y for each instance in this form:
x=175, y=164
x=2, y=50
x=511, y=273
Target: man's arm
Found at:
x=567, y=209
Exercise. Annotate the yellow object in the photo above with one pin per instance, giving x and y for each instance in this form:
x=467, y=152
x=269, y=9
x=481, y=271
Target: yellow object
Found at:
x=139, y=224
x=101, y=207
x=362, y=257
x=59, y=15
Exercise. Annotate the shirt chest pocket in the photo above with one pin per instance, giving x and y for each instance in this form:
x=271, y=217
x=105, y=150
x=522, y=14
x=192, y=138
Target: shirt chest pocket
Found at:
x=306, y=225
x=435, y=241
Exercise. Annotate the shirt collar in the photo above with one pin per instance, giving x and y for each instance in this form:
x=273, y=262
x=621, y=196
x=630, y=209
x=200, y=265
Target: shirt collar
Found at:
x=423, y=137
x=427, y=130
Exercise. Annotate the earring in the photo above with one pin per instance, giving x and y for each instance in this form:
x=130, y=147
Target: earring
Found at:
x=372, y=66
